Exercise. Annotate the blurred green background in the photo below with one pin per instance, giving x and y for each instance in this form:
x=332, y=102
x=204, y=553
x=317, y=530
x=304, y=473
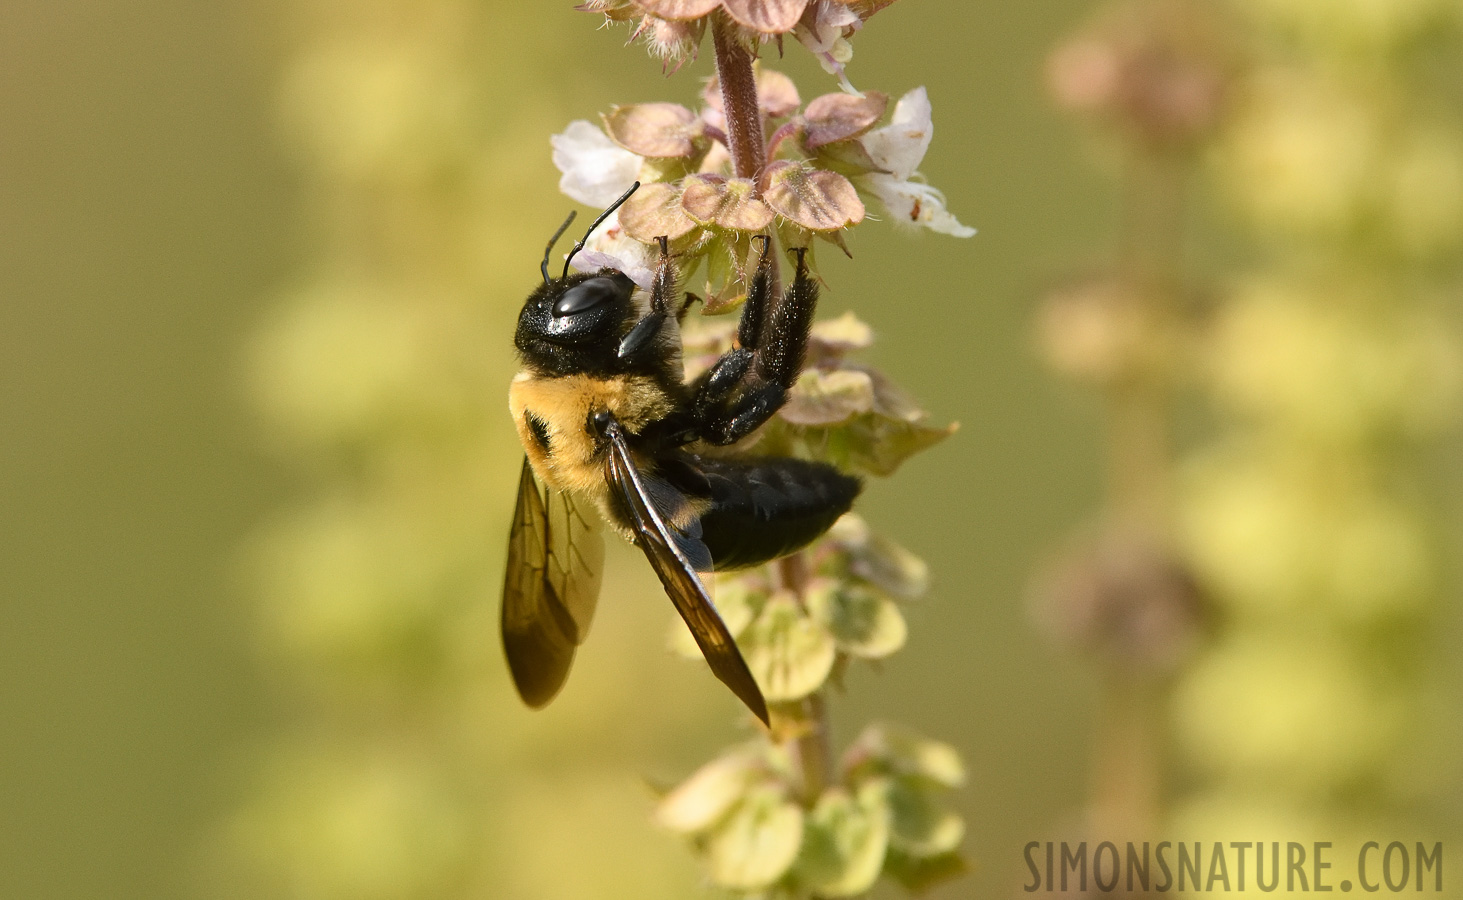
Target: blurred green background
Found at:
x=157, y=217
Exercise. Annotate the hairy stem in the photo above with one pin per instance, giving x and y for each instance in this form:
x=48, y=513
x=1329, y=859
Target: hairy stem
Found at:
x=744, y=137
x=746, y=141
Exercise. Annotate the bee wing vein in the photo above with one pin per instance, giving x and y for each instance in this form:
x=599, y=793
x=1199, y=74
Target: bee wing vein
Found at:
x=547, y=608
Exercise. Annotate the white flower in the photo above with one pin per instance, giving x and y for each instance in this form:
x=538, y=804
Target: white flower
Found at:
x=824, y=30
x=609, y=247
x=899, y=148
x=596, y=170
x=915, y=202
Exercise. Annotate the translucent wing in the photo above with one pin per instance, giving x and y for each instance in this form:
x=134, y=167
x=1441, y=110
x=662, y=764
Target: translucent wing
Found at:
x=576, y=559
x=555, y=563
x=663, y=547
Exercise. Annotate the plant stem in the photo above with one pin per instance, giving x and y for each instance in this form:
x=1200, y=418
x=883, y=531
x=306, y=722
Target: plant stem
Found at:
x=1128, y=759
x=1128, y=776
x=739, y=101
x=811, y=751
x=810, y=746
x=744, y=136
x=1151, y=258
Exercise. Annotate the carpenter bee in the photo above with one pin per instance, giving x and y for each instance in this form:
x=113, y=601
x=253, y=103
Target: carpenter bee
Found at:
x=614, y=433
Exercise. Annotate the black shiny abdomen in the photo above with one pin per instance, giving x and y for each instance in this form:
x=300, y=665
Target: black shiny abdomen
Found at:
x=766, y=507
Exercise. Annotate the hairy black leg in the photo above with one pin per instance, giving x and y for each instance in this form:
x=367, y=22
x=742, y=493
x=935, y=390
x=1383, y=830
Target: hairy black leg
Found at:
x=753, y=311
x=750, y=383
x=662, y=287
x=714, y=388
x=783, y=341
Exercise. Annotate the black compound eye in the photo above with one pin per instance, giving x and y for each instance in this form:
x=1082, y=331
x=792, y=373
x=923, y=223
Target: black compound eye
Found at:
x=585, y=295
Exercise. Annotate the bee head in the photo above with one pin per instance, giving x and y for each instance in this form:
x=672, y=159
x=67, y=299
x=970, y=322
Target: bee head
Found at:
x=575, y=323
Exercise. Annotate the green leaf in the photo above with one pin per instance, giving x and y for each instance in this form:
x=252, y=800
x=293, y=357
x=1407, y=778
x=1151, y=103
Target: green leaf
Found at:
x=757, y=843
x=921, y=827
x=862, y=621
x=847, y=158
x=670, y=169
x=703, y=799
x=878, y=560
x=789, y=654
x=726, y=273
x=842, y=413
x=919, y=874
x=844, y=843
x=828, y=398
x=841, y=335
x=884, y=749
x=869, y=444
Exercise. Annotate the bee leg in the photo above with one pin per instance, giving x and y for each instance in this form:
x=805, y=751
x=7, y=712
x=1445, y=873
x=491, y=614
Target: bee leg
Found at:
x=782, y=342
x=713, y=389
x=747, y=385
x=662, y=288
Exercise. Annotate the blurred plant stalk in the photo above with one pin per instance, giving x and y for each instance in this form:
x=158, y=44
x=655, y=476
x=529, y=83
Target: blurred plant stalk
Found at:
x=1330, y=367
x=1321, y=369
x=1149, y=77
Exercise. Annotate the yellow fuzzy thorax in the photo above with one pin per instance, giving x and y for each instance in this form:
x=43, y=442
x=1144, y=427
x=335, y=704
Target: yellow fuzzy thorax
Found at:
x=564, y=404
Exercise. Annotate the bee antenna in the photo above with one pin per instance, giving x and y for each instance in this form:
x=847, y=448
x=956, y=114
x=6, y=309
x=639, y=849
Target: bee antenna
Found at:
x=543, y=267
x=596, y=223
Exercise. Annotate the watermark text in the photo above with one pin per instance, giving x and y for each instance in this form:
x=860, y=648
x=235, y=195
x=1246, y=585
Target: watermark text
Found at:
x=1375, y=867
